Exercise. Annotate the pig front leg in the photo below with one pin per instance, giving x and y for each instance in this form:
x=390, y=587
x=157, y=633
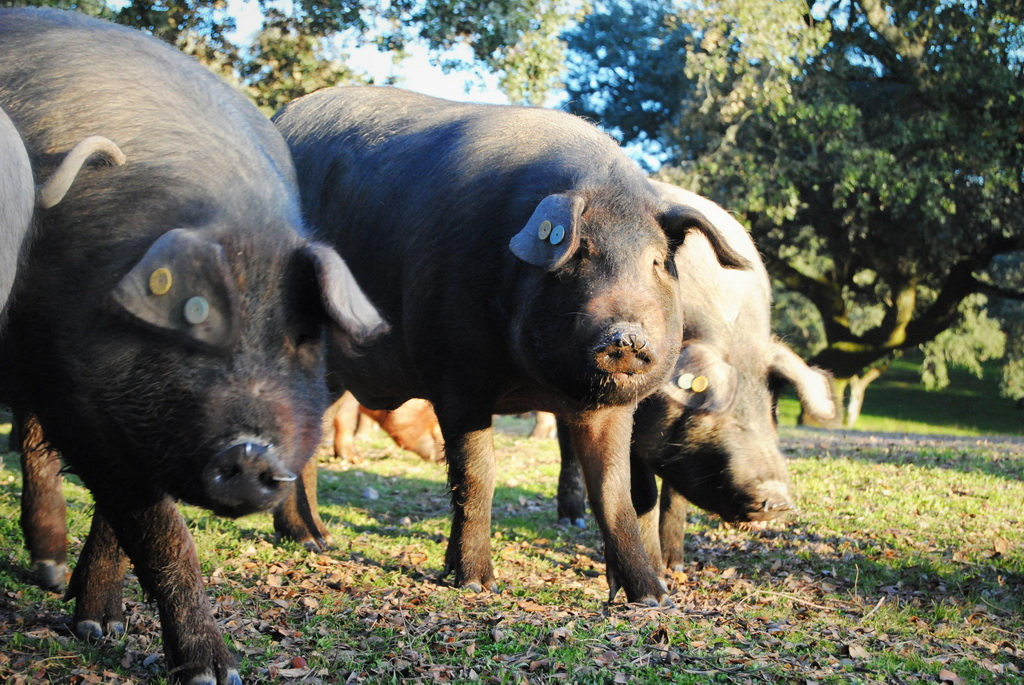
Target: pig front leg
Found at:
x=43, y=513
x=672, y=526
x=155, y=536
x=600, y=440
x=97, y=584
x=572, y=493
x=469, y=450
x=298, y=517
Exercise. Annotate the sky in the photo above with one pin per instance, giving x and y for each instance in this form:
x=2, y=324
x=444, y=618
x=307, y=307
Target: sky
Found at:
x=414, y=73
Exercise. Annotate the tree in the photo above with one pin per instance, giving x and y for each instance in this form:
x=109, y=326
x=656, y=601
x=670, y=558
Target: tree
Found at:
x=876, y=151
x=301, y=45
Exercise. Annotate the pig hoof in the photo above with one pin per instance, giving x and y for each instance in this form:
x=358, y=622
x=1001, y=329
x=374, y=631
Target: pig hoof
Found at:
x=578, y=522
x=115, y=629
x=667, y=603
x=209, y=679
x=88, y=630
x=50, y=575
x=317, y=545
x=477, y=588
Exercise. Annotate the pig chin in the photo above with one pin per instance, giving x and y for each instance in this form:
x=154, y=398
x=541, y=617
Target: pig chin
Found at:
x=620, y=387
x=764, y=501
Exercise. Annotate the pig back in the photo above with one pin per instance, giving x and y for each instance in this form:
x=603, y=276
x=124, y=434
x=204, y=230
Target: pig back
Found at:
x=421, y=197
x=194, y=158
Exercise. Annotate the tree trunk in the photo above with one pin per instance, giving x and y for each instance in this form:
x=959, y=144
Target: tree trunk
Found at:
x=858, y=387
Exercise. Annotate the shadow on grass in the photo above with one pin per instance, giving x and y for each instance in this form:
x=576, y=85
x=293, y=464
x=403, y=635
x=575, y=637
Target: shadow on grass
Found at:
x=784, y=557
x=1001, y=456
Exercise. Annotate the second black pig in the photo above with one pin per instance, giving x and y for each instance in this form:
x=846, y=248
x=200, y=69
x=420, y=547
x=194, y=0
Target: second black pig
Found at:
x=709, y=432
x=524, y=262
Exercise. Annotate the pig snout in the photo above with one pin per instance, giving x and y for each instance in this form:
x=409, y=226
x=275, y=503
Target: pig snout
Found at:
x=624, y=350
x=770, y=500
x=245, y=477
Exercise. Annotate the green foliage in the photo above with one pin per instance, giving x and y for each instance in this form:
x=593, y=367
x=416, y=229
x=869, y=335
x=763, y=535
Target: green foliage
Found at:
x=300, y=46
x=974, y=339
x=634, y=79
x=288, y=60
x=516, y=40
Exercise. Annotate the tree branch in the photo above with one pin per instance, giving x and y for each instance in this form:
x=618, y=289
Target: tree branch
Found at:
x=996, y=291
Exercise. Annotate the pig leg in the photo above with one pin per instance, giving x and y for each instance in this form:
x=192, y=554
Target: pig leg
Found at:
x=600, y=440
x=155, y=536
x=572, y=493
x=673, y=526
x=298, y=517
x=644, y=493
x=346, y=422
x=545, y=426
x=97, y=584
x=470, y=453
x=43, y=516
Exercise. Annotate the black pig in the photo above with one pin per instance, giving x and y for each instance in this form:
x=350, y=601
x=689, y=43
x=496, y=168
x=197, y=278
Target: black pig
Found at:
x=709, y=432
x=524, y=262
x=169, y=325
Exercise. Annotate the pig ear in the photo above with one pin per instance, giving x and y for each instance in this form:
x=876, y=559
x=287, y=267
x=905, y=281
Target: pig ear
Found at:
x=356, y=321
x=813, y=386
x=679, y=219
x=182, y=285
x=702, y=380
x=552, y=235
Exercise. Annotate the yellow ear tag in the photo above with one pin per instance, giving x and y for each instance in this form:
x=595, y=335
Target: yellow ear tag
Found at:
x=685, y=382
x=700, y=384
x=160, y=281
x=544, y=230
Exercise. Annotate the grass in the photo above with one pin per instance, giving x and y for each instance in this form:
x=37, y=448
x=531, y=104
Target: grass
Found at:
x=905, y=564
x=897, y=402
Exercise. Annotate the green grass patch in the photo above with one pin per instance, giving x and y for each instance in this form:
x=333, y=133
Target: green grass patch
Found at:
x=897, y=402
x=905, y=560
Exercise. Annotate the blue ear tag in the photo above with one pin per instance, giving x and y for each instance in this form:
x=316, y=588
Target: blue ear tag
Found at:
x=197, y=310
x=557, y=234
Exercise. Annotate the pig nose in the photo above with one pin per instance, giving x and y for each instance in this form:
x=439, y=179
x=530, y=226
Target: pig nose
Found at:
x=771, y=501
x=245, y=477
x=624, y=350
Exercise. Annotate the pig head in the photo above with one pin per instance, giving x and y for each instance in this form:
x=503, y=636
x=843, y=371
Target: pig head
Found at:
x=718, y=403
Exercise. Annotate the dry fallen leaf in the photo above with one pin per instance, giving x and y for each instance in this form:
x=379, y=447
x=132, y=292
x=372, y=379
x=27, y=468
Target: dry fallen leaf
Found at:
x=854, y=652
x=947, y=676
